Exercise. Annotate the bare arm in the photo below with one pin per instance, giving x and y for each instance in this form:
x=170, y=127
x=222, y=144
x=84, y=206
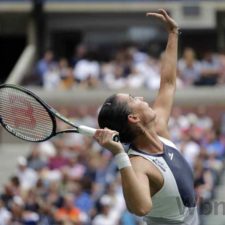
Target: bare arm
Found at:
x=136, y=187
x=164, y=100
x=135, y=181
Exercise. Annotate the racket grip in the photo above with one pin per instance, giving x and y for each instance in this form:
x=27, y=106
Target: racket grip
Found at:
x=89, y=131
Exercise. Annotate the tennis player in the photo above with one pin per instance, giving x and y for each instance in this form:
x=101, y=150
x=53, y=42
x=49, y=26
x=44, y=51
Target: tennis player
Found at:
x=157, y=182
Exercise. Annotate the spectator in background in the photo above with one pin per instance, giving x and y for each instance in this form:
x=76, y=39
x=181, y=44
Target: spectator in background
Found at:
x=51, y=78
x=80, y=53
x=68, y=213
x=84, y=200
x=135, y=79
x=215, y=153
x=114, y=77
x=46, y=150
x=7, y=195
x=58, y=161
x=137, y=55
x=63, y=67
x=106, y=216
x=20, y=215
x=213, y=145
x=151, y=73
x=46, y=215
x=44, y=65
x=87, y=71
x=75, y=169
x=17, y=210
x=210, y=70
x=35, y=162
x=203, y=121
x=67, y=81
x=15, y=185
x=204, y=184
x=123, y=67
x=59, y=76
x=31, y=209
x=53, y=195
x=31, y=201
x=189, y=68
x=121, y=71
x=178, y=123
x=189, y=148
x=124, y=58
x=27, y=176
x=5, y=215
x=114, y=191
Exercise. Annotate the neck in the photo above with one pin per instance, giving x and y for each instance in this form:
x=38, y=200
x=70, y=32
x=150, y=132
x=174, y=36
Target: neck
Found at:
x=149, y=142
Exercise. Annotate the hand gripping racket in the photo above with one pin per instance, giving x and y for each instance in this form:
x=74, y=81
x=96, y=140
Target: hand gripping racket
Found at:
x=28, y=117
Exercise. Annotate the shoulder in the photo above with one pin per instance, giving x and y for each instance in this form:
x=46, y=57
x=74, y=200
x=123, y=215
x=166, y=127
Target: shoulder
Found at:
x=167, y=142
x=140, y=164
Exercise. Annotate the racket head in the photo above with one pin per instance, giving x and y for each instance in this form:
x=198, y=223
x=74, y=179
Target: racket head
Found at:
x=25, y=115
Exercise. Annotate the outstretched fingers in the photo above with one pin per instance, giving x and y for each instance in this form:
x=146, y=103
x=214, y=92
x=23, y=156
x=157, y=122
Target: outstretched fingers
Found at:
x=158, y=15
x=163, y=16
x=164, y=13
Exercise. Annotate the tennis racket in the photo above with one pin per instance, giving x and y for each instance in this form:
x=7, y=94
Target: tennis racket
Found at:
x=26, y=116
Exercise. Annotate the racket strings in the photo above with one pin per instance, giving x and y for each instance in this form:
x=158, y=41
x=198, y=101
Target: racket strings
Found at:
x=24, y=115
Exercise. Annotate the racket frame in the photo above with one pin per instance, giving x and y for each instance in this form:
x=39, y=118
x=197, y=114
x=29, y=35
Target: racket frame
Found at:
x=53, y=114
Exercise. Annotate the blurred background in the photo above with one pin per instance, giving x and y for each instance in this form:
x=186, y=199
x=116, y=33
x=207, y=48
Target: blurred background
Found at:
x=75, y=53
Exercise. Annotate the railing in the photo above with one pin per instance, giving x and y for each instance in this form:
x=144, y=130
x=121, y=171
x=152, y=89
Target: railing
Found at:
x=22, y=66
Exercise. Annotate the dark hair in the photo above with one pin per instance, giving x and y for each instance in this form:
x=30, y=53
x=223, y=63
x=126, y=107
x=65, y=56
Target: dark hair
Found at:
x=114, y=115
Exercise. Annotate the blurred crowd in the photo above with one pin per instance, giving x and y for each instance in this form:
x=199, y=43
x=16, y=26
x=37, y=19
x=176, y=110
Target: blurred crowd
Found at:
x=71, y=180
x=126, y=67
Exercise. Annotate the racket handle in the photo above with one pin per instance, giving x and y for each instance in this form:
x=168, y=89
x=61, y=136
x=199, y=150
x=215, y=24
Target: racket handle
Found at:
x=89, y=131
